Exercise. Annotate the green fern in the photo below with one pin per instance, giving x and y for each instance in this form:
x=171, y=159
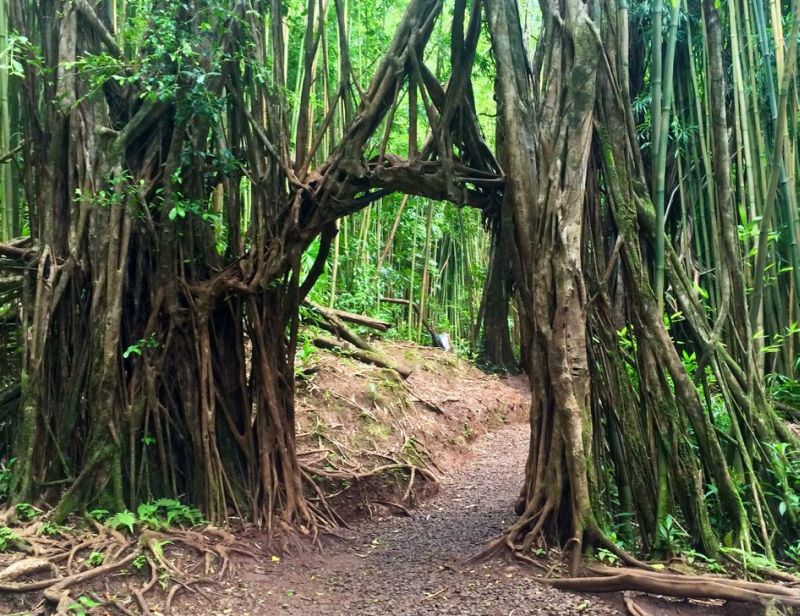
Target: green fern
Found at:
x=123, y=518
x=8, y=539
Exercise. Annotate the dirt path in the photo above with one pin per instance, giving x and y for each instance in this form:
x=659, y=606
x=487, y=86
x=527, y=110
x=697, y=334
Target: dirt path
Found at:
x=400, y=565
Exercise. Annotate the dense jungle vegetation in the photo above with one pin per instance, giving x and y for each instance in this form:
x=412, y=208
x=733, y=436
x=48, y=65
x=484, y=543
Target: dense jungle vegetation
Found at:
x=602, y=194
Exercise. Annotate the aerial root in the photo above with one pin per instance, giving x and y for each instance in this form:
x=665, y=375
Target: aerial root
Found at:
x=613, y=579
x=626, y=557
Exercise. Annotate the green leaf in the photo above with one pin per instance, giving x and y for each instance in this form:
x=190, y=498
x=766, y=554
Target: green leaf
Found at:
x=88, y=601
x=123, y=518
x=146, y=510
x=727, y=540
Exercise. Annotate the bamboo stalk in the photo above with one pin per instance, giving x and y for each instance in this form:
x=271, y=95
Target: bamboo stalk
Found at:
x=660, y=138
x=775, y=171
x=8, y=216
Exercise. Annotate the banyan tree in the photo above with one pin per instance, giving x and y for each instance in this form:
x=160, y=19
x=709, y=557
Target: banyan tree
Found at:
x=170, y=197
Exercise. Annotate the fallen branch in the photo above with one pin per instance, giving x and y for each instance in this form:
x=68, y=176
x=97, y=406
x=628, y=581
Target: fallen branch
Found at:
x=360, y=319
x=335, y=325
x=369, y=357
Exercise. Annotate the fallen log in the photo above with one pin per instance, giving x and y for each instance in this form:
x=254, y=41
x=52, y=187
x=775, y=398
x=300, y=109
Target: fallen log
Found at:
x=360, y=319
x=335, y=325
x=369, y=357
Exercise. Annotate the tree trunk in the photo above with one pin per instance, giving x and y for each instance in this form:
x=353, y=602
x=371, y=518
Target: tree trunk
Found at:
x=547, y=147
x=496, y=350
x=161, y=293
x=629, y=417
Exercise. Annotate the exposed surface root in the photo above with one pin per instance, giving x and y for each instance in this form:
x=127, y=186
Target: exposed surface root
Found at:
x=641, y=576
x=685, y=586
x=632, y=607
x=154, y=569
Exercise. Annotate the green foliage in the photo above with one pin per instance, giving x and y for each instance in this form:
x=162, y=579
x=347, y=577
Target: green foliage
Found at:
x=750, y=560
x=51, y=529
x=627, y=341
x=123, y=519
x=672, y=538
x=784, y=389
x=698, y=558
x=98, y=514
x=8, y=539
x=139, y=347
x=689, y=361
x=607, y=556
x=306, y=353
x=6, y=476
x=792, y=553
x=785, y=469
x=161, y=514
x=17, y=46
x=458, y=254
x=83, y=606
x=95, y=559
x=26, y=511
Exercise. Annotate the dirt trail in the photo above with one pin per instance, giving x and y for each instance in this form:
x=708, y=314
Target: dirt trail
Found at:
x=414, y=565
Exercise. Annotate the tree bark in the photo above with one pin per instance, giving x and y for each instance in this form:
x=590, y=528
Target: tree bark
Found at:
x=496, y=350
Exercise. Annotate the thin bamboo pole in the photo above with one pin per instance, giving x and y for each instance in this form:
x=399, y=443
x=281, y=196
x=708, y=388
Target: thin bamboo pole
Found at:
x=661, y=141
x=8, y=216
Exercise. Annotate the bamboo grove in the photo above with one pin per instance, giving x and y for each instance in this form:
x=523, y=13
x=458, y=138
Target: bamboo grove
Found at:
x=178, y=176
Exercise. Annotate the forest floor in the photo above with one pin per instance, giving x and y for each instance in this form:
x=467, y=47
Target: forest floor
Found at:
x=416, y=564
x=406, y=541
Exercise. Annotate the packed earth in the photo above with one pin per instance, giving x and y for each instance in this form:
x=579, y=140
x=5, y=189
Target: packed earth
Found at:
x=416, y=565
x=419, y=564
